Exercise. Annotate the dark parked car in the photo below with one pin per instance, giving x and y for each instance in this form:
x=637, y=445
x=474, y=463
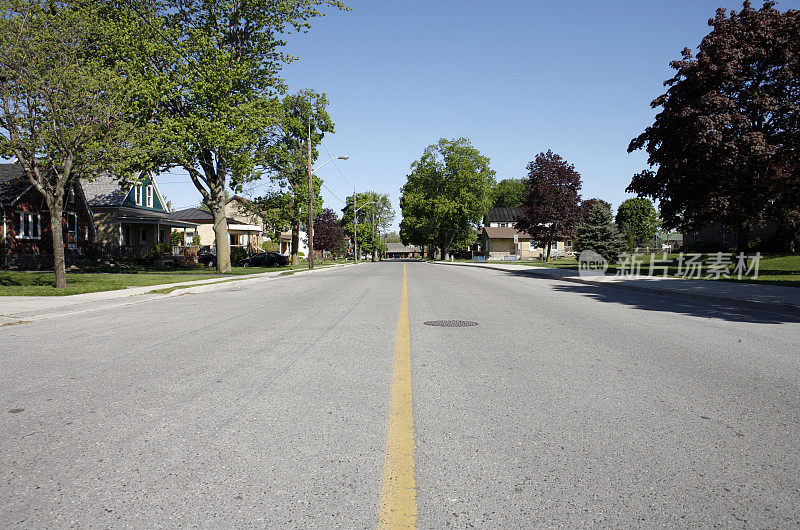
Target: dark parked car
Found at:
x=207, y=258
x=265, y=259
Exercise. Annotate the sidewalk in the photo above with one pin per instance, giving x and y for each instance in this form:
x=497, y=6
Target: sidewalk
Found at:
x=748, y=295
x=18, y=309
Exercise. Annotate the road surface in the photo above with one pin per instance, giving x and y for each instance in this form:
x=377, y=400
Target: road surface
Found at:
x=268, y=404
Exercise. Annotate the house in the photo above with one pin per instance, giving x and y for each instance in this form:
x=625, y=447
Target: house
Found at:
x=718, y=236
x=130, y=220
x=498, y=239
x=399, y=250
x=242, y=232
x=27, y=239
x=286, y=243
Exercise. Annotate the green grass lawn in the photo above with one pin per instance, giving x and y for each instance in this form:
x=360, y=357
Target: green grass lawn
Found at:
x=14, y=283
x=774, y=269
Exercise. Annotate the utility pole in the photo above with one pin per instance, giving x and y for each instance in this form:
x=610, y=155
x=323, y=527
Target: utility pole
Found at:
x=373, y=225
x=355, y=228
x=310, y=203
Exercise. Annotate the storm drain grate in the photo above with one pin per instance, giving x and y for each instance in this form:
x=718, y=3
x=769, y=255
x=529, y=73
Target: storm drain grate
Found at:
x=451, y=323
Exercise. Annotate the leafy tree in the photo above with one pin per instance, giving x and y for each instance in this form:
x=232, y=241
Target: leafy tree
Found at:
x=638, y=220
x=508, y=193
x=328, y=232
x=286, y=158
x=392, y=237
x=600, y=234
x=447, y=193
x=62, y=99
x=729, y=123
x=552, y=200
x=217, y=87
x=380, y=207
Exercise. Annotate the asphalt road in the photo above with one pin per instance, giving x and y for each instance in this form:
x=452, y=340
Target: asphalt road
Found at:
x=266, y=404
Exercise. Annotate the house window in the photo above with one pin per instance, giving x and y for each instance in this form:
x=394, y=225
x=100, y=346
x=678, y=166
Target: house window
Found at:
x=150, y=196
x=127, y=238
x=531, y=245
x=568, y=243
x=29, y=225
x=235, y=239
x=86, y=232
x=189, y=236
x=71, y=196
x=143, y=235
x=137, y=192
x=72, y=229
x=554, y=244
x=162, y=236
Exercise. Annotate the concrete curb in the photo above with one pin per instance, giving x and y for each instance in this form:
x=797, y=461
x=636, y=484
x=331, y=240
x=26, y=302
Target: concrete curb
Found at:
x=125, y=297
x=773, y=307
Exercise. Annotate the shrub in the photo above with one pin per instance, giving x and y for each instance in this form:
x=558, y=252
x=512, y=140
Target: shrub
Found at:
x=196, y=239
x=176, y=238
x=270, y=246
x=237, y=254
x=160, y=249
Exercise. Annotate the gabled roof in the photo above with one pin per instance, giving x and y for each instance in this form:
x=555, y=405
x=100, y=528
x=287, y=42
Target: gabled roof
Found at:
x=399, y=248
x=503, y=232
x=503, y=215
x=104, y=190
x=13, y=183
x=192, y=214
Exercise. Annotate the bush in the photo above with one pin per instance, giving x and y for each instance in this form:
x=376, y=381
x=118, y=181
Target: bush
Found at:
x=160, y=249
x=270, y=246
x=176, y=238
x=237, y=254
x=196, y=239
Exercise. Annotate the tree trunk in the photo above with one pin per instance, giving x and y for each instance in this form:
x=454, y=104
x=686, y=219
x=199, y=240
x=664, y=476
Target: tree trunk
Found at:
x=742, y=236
x=295, y=242
x=549, y=245
x=57, y=231
x=221, y=238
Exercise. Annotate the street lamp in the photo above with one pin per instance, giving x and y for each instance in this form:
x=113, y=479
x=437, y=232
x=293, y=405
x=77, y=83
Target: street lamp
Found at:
x=311, y=198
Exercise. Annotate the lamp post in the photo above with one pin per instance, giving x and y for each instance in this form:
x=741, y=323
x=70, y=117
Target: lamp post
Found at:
x=355, y=224
x=311, y=198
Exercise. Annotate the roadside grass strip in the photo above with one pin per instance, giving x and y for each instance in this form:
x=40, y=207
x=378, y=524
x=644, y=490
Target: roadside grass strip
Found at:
x=398, y=502
x=168, y=290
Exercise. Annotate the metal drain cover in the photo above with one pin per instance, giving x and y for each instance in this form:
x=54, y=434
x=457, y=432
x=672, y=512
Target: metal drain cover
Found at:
x=451, y=323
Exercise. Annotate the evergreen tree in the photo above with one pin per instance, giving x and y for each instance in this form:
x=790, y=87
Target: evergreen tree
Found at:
x=600, y=234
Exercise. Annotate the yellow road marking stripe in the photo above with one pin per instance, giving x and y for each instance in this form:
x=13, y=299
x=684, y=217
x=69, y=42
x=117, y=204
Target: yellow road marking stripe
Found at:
x=398, y=505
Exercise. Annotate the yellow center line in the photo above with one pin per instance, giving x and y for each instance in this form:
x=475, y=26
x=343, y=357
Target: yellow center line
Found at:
x=398, y=504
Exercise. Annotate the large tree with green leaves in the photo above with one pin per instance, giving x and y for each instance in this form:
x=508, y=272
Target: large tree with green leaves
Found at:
x=63, y=97
x=638, y=220
x=285, y=156
x=218, y=84
x=375, y=214
x=508, y=193
x=552, y=207
x=447, y=193
x=726, y=142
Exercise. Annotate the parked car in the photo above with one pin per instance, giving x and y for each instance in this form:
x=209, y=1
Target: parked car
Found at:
x=207, y=258
x=265, y=259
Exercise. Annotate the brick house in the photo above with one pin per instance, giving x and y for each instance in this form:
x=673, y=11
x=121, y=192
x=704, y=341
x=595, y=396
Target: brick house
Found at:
x=27, y=239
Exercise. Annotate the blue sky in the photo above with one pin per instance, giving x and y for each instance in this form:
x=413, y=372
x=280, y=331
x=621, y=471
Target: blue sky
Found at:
x=515, y=77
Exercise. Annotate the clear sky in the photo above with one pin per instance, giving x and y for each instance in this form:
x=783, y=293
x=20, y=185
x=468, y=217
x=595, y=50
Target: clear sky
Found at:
x=516, y=77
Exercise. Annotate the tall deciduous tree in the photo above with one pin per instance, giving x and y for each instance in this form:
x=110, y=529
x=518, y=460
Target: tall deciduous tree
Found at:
x=371, y=206
x=729, y=123
x=286, y=156
x=328, y=232
x=508, y=193
x=62, y=99
x=447, y=193
x=219, y=85
x=552, y=208
x=638, y=220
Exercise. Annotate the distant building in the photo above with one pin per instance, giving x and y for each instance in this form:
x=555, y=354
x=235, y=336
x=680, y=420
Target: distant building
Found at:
x=399, y=250
x=498, y=239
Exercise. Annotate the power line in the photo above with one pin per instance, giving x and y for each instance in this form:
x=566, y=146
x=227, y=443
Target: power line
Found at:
x=337, y=166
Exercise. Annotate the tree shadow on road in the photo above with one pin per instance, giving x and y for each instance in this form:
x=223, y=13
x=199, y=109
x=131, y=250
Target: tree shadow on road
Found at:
x=648, y=301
